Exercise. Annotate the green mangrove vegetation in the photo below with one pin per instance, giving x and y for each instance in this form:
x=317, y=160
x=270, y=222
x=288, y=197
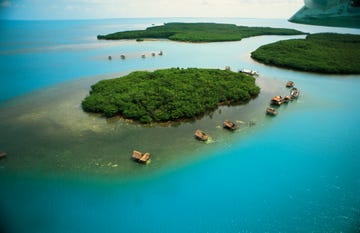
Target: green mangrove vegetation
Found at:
x=169, y=94
x=329, y=53
x=199, y=32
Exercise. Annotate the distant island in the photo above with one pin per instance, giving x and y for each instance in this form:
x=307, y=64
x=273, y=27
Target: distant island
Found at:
x=169, y=94
x=199, y=32
x=335, y=13
x=328, y=53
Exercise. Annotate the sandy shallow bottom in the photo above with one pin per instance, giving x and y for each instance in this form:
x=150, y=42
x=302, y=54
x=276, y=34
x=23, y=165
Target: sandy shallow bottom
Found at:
x=47, y=132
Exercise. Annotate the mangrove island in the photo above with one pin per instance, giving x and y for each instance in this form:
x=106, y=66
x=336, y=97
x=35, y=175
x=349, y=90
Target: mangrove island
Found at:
x=328, y=53
x=169, y=94
x=199, y=32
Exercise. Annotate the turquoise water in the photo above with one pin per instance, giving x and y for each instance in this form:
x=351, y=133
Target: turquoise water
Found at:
x=297, y=172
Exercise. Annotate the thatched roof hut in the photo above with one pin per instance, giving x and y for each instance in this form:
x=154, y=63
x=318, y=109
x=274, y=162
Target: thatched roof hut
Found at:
x=271, y=111
x=201, y=135
x=230, y=125
x=141, y=157
x=276, y=100
x=290, y=84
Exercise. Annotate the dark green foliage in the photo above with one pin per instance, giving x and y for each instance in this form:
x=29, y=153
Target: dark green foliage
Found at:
x=323, y=53
x=351, y=21
x=169, y=94
x=350, y=38
x=199, y=32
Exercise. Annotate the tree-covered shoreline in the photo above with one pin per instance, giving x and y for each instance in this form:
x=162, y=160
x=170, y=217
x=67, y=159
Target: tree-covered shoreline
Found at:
x=169, y=94
x=328, y=53
x=199, y=32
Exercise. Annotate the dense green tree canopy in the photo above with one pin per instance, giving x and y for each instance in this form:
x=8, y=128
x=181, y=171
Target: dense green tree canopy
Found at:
x=323, y=52
x=199, y=32
x=169, y=94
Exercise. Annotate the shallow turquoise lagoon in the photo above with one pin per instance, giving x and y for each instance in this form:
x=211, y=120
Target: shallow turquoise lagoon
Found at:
x=68, y=171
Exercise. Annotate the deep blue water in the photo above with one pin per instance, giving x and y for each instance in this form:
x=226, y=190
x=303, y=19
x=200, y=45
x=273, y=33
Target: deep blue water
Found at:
x=298, y=173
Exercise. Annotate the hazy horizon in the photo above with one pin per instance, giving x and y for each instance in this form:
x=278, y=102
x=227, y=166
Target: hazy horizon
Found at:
x=97, y=9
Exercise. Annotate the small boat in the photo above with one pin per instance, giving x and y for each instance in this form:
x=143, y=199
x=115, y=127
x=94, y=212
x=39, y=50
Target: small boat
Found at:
x=286, y=99
x=249, y=72
x=143, y=56
x=141, y=157
x=271, y=111
x=109, y=57
x=161, y=53
x=290, y=84
x=2, y=154
x=276, y=100
x=230, y=125
x=153, y=54
x=294, y=93
x=201, y=135
x=122, y=56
